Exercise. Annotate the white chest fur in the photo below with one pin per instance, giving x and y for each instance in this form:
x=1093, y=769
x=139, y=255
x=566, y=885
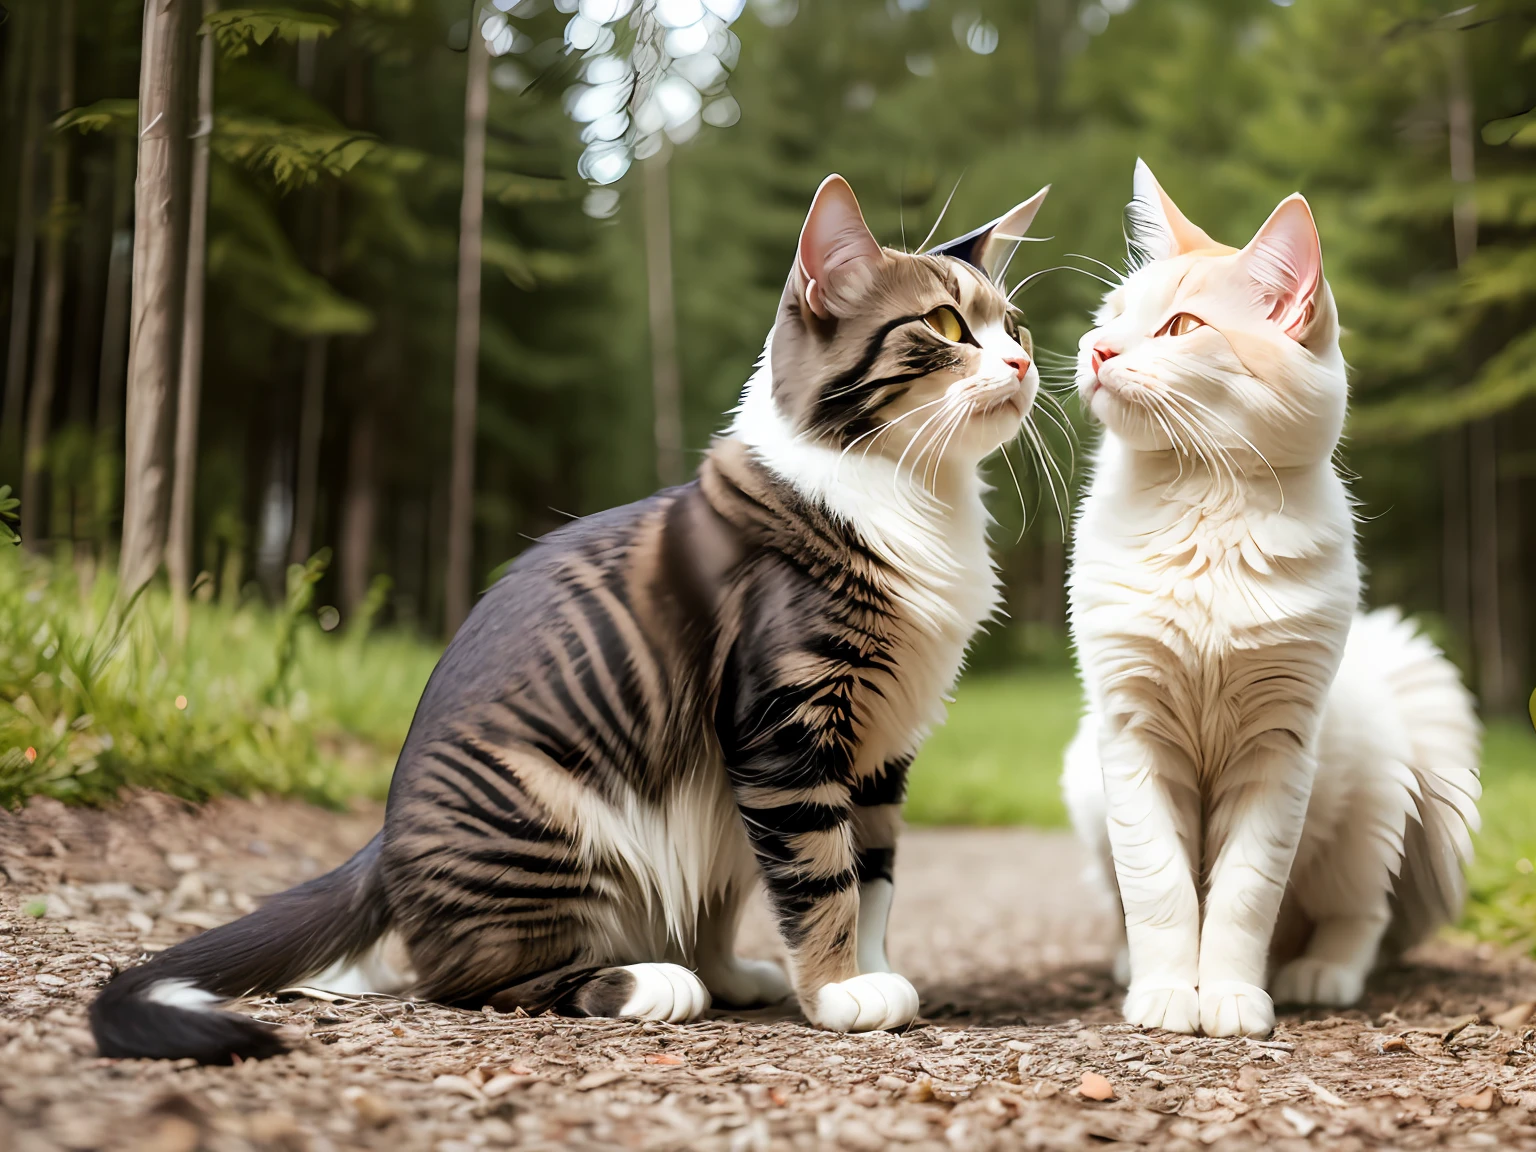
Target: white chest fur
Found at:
x=934, y=541
x=1211, y=620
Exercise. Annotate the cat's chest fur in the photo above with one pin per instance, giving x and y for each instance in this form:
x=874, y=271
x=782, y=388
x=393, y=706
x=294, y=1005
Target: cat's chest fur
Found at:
x=1213, y=621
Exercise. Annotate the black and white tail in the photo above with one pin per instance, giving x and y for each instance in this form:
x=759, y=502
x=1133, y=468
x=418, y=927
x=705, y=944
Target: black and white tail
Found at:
x=170, y=1008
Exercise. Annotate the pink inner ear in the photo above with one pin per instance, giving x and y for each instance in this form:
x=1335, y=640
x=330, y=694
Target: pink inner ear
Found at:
x=834, y=243
x=1285, y=260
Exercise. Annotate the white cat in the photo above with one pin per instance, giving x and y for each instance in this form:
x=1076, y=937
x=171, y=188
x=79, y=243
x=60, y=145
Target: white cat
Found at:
x=1253, y=752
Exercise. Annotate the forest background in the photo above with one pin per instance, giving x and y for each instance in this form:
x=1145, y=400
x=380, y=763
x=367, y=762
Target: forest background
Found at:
x=388, y=305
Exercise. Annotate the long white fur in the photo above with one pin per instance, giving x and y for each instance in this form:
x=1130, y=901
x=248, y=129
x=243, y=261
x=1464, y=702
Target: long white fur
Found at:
x=1213, y=585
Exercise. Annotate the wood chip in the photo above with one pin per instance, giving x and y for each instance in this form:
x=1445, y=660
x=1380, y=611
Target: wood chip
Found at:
x=1392, y=1044
x=1456, y=1027
x=1479, y=1101
x=946, y=1092
x=1300, y=1121
x=597, y=1080
x=667, y=1058
x=1516, y=1018
x=1323, y=1095
x=503, y=1083
x=1095, y=1087
x=458, y=1084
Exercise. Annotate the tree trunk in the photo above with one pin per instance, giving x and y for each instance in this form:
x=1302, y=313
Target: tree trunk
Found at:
x=32, y=37
x=152, y=344
x=358, y=512
x=95, y=241
x=666, y=381
x=1487, y=619
x=1455, y=542
x=114, y=316
x=45, y=367
x=178, y=556
x=466, y=353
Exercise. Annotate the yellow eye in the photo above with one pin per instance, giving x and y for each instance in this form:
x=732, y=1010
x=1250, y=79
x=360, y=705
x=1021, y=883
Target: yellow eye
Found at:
x=1182, y=325
x=946, y=322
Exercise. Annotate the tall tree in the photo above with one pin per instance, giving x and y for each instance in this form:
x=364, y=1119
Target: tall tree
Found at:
x=466, y=348
x=666, y=380
x=152, y=344
x=45, y=367
x=31, y=39
x=178, y=554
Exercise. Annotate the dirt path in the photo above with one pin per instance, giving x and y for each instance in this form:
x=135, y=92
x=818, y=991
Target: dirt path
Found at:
x=998, y=933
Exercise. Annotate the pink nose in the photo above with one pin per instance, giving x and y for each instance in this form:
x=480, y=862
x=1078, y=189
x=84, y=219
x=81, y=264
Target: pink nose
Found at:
x=1100, y=355
x=1020, y=364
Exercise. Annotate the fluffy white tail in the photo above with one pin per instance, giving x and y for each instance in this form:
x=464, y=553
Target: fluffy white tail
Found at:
x=1436, y=714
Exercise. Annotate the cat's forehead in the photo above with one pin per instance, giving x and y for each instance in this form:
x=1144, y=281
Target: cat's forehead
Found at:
x=1159, y=283
x=919, y=283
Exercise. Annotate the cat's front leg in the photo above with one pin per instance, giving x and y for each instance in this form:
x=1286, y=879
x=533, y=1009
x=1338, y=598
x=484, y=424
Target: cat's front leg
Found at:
x=1258, y=811
x=876, y=824
x=785, y=724
x=1151, y=806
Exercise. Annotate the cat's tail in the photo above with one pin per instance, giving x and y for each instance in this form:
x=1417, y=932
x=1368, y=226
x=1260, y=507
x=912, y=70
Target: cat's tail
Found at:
x=1437, y=715
x=171, y=1008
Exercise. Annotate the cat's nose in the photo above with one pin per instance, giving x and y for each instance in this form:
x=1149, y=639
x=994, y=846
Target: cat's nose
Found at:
x=1100, y=355
x=1019, y=364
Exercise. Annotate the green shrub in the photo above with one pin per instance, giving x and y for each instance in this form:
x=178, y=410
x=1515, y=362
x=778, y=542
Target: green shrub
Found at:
x=95, y=697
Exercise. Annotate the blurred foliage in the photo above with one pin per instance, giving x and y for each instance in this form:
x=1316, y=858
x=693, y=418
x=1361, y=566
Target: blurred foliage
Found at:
x=94, y=699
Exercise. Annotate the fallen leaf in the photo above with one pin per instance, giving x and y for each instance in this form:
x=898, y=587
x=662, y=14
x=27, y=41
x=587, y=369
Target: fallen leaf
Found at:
x=1515, y=1018
x=1456, y=1027
x=663, y=1058
x=1095, y=1087
x=1479, y=1101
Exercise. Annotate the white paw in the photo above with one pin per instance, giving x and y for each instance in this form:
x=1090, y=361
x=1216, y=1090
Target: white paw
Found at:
x=1233, y=1008
x=1121, y=972
x=866, y=1003
x=1307, y=980
x=667, y=992
x=1174, y=1007
x=748, y=983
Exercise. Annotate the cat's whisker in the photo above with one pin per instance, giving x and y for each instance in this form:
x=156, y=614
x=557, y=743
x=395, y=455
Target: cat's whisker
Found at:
x=916, y=436
x=1019, y=490
x=1252, y=447
x=923, y=247
x=1115, y=272
x=876, y=432
x=1046, y=469
x=1033, y=276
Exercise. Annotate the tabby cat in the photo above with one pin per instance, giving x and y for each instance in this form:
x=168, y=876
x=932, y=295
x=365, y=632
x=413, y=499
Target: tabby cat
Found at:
x=1270, y=779
x=661, y=703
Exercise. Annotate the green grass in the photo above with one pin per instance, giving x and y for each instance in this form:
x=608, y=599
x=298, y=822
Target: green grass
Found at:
x=94, y=699
x=1502, y=906
x=998, y=758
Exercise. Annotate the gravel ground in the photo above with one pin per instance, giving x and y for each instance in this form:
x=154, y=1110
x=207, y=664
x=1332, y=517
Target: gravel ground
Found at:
x=1018, y=1042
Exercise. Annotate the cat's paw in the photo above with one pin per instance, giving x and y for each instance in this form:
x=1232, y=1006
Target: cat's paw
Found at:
x=666, y=992
x=748, y=983
x=1307, y=980
x=1233, y=1008
x=865, y=1003
x=1171, y=1006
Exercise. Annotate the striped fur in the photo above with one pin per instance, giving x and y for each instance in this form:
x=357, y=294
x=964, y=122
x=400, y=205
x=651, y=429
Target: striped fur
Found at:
x=663, y=704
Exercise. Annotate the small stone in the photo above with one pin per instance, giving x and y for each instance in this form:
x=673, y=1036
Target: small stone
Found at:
x=180, y=861
x=1095, y=1087
x=48, y=981
x=1300, y=1121
x=1478, y=1101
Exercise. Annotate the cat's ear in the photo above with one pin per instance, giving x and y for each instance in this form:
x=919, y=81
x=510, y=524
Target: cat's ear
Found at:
x=1158, y=228
x=837, y=255
x=987, y=246
x=1285, y=260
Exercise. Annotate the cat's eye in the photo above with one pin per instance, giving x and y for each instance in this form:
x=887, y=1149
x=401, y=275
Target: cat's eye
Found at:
x=946, y=322
x=1181, y=325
